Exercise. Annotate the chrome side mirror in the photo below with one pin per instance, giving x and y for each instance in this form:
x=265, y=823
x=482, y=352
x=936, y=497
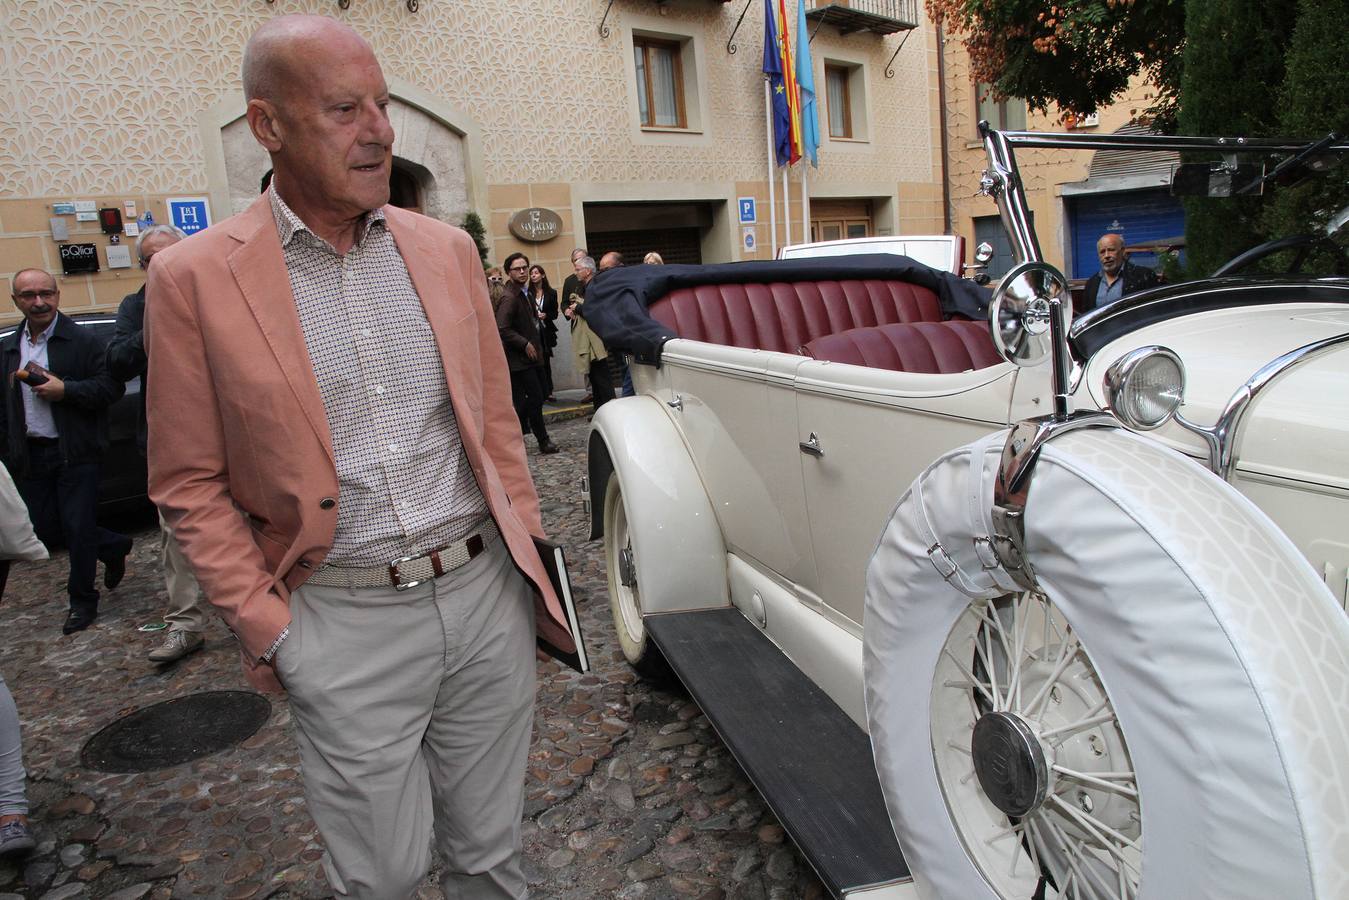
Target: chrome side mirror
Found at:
x=1019, y=316
x=983, y=254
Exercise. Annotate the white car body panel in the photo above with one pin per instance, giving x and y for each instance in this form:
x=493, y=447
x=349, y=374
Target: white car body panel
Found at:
x=940, y=251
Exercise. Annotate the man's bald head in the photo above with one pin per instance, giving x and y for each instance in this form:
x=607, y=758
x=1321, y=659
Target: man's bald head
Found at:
x=274, y=55
x=1110, y=251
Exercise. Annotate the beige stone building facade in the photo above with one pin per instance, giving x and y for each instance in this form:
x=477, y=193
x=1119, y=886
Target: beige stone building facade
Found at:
x=640, y=134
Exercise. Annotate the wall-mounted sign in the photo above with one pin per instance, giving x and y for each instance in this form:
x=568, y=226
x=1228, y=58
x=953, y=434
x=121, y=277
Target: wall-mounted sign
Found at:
x=110, y=219
x=60, y=230
x=748, y=215
x=119, y=256
x=750, y=239
x=85, y=206
x=191, y=214
x=79, y=259
x=90, y=216
x=63, y=209
x=536, y=225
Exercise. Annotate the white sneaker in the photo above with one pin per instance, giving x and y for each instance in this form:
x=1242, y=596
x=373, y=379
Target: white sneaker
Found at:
x=177, y=645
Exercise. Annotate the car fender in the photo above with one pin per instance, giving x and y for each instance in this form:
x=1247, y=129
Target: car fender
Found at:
x=674, y=529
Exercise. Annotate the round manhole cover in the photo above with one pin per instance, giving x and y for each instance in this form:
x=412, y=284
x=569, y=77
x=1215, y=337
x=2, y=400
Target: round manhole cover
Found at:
x=176, y=731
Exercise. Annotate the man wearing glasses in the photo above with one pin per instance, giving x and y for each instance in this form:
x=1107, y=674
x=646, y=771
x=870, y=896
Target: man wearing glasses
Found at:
x=519, y=326
x=55, y=424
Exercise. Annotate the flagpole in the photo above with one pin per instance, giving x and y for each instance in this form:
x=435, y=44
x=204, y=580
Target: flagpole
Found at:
x=805, y=203
x=786, y=208
x=772, y=195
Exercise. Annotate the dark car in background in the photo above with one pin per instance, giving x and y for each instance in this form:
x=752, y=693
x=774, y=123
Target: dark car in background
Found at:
x=122, y=486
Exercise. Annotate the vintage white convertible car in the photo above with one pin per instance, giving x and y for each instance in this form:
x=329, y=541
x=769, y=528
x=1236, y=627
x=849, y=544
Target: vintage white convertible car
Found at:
x=968, y=642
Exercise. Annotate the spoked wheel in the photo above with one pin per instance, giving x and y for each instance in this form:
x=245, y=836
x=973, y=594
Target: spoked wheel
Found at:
x=625, y=596
x=1153, y=723
x=1030, y=756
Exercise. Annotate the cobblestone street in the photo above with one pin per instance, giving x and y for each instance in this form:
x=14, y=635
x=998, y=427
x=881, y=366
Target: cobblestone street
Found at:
x=629, y=793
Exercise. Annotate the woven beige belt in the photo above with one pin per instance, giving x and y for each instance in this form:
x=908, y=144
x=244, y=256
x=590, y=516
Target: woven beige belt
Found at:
x=410, y=571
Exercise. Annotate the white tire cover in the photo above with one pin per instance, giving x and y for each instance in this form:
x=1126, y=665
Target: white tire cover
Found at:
x=1224, y=656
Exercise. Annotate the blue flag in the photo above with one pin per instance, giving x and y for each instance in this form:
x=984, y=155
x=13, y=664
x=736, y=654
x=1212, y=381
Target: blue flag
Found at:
x=777, y=88
x=805, y=80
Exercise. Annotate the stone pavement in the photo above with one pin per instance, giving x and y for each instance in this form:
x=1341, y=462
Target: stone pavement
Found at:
x=629, y=793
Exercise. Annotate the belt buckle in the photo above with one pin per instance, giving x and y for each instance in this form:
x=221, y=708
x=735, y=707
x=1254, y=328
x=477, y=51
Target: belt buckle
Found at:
x=398, y=583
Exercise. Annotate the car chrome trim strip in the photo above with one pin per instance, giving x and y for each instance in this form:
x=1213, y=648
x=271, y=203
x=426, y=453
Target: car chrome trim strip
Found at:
x=1062, y=141
x=1223, y=438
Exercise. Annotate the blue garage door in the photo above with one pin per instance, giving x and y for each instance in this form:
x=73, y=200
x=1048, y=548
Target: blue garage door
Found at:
x=1141, y=216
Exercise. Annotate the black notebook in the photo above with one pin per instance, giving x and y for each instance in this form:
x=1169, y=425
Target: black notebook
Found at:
x=556, y=565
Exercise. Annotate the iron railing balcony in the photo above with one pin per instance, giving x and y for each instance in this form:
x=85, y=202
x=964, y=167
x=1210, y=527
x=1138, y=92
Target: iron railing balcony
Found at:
x=875, y=16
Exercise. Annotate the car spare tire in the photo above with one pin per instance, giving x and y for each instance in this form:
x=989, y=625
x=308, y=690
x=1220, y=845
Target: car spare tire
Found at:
x=1165, y=717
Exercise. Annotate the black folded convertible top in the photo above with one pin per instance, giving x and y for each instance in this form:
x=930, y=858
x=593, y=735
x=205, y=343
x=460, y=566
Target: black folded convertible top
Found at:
x=617, y=300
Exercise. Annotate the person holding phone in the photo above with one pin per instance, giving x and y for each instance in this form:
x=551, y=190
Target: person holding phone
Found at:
x=55, y=423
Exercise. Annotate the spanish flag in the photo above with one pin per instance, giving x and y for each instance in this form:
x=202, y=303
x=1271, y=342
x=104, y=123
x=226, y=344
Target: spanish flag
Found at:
x=781, y=74
x=789, y=76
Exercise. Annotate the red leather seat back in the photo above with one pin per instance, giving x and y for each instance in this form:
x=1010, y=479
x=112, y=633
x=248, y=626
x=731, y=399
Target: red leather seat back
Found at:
x=936, y=348
x=786, y=316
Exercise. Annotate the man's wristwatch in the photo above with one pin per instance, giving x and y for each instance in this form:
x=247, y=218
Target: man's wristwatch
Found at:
x=270, y=654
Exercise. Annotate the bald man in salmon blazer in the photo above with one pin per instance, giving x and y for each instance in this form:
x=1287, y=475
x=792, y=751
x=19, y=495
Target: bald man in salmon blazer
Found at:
x=332, y=442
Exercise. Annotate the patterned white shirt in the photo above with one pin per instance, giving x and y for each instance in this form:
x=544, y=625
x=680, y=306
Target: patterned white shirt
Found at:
x=37, y=413
x=405, y=484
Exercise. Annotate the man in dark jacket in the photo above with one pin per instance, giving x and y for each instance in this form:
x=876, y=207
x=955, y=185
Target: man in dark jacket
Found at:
x=519, y=326
x=1118, y=277
x=187, y=614
x=55, y=424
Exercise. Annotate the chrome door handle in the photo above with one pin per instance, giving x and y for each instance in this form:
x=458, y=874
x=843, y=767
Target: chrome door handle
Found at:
x=676, y=403
x=812, y=445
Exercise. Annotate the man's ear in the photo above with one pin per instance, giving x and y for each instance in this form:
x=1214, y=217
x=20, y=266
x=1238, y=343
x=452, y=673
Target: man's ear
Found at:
x=265, y=124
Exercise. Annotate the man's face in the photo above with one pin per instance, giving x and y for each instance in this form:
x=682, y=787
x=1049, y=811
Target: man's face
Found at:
x=336, y=141
x=154, y=243
x=37, y=297
x=582, y=274
x=519, y=270
x=1110, y=250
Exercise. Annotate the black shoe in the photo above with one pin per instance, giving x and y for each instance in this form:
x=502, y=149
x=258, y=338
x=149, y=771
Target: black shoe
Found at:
x=78, y=620
x=549, y=447
x=114, y=570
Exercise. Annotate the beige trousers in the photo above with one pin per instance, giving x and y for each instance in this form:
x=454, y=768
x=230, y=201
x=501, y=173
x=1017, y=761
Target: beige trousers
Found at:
x=187, y=606
x=413, y=712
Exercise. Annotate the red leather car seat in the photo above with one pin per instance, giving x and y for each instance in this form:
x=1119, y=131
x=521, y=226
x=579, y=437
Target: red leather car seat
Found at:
x=930, y=347
x=786, y=316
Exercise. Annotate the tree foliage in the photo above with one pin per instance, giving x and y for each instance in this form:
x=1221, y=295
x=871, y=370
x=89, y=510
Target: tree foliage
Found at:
x=1311, y=103
x=473, y=225
x=1234, y=65
x=1076, y=55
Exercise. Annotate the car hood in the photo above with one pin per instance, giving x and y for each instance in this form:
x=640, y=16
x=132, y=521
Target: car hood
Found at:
x=1298, y=428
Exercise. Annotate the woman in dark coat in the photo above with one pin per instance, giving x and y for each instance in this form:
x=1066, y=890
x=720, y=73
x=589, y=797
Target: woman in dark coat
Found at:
x=544, y=299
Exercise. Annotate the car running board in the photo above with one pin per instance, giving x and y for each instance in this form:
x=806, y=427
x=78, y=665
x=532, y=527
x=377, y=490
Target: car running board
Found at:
x=811, y=763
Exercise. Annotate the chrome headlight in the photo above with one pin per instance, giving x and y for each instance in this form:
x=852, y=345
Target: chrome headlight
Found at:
x=1145, y=387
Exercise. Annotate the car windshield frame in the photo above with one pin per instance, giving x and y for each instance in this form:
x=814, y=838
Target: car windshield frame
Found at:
x=1002, y=179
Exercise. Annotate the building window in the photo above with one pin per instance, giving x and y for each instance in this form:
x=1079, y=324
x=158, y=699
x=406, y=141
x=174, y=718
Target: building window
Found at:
x=1003, y=115
x=844, y=100
x=840, y=103
x=660, y=82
